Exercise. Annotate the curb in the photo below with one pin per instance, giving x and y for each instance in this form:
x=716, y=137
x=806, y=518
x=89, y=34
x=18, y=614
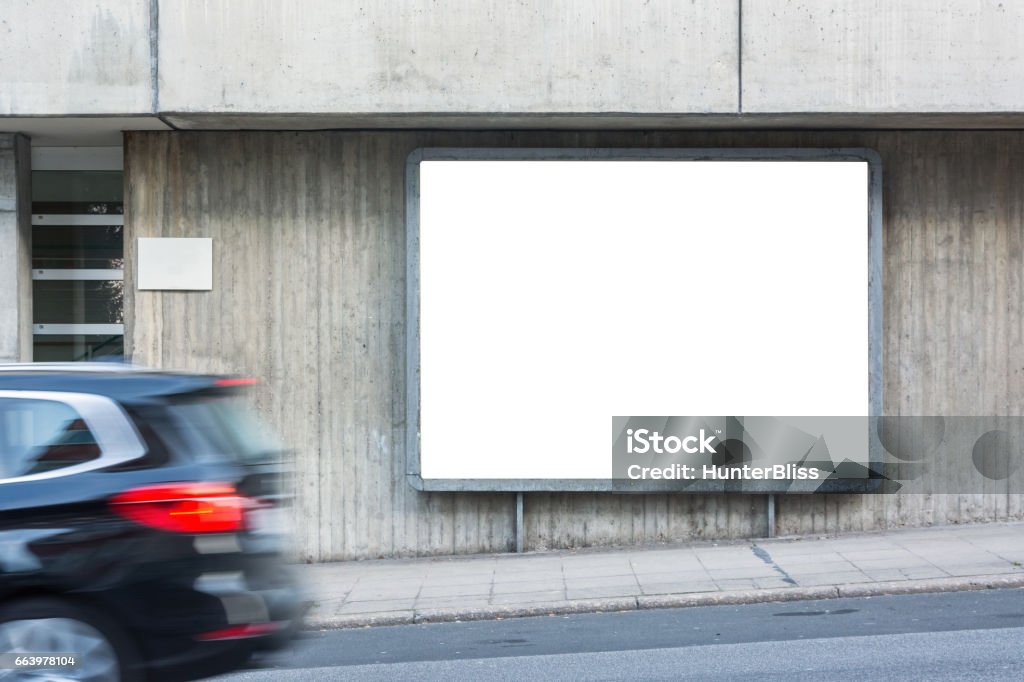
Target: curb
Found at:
x=666, y=601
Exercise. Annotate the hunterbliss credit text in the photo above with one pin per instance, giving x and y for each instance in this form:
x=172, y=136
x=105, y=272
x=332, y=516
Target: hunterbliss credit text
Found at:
x=746, y=472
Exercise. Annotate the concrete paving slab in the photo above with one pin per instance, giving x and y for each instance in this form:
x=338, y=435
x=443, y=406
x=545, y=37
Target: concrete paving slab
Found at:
x=380, y=594
x=596, y=559
x=681, y=577
x=527, y=597
x=973, y=569
x=455, y=590
x=812, y=579
x=387, y=586
x=666, y=566
x=441, y=579
x=527, y=587
x=898, y=562
x=609, y=571
x=952, y=556
x=399, y=582
x=731, y=559
x=523, y=564
x=768, y=583
x=672, y=560
x=464, y=566
x=897, y=553
x=806, y=559
x=466, y=602
x=621, y=563
x=845, y=547
x=927, y=544
x=605, y=581
x=747, y=572
x=995, y=546
x=374, y=606
x=884, y=574
x=526, y=577
x=679, y=588
x=736, y=584
x=600, y=592
x=969, y=559
x=923, y=573
x=822, y=567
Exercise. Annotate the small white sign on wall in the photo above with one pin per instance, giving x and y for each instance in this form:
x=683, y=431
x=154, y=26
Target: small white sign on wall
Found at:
x=183, y=264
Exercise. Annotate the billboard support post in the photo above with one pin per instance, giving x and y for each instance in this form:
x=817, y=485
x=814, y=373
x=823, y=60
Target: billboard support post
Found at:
x=519, y=523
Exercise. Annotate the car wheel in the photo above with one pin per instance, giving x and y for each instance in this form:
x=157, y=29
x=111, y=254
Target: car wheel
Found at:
x=51, y=626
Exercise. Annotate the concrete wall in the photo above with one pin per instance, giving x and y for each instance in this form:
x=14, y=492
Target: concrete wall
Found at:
x=276, y=64
x=15, y=248
x=882, y=56
x=59, y=57
x=309, y=289
x=408, y=56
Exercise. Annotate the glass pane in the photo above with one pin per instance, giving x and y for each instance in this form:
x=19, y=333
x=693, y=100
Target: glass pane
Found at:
x=90, y=246
x=225, y=427
x=77, y=302
x=37, y=436
x=75, y=348
x=95, y=192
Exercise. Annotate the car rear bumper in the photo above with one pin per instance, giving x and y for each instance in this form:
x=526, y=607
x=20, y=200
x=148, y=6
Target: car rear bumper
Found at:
x=210, y=652
x=210, y=619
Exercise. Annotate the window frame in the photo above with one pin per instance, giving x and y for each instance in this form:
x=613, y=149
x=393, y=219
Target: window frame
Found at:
x=77, y=159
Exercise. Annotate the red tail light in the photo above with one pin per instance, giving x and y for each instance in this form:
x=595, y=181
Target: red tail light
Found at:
x=235, y=381
x=240, y=631
x=185, y=507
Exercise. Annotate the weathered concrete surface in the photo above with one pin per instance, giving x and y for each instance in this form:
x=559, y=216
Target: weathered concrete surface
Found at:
x=15, y=249
x=59, y=57
x=309, y=295
x=882, y=56
x=591, y=63
x=427, y=56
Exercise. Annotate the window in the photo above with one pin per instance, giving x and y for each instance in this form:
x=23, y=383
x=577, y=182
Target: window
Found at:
x=38, y=436
x=77, y=254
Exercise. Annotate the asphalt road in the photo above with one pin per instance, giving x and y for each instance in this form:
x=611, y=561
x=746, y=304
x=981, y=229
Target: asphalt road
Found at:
x=953, y=636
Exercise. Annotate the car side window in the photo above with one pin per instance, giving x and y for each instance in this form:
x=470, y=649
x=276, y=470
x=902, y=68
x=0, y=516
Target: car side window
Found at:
x=37, y=436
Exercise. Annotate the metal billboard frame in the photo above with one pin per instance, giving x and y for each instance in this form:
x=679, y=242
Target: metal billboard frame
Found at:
x=412, y=304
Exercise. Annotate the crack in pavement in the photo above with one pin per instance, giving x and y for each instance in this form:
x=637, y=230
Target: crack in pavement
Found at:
x=762, y=554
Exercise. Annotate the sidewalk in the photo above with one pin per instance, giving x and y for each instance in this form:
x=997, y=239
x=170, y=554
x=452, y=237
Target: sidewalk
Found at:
x=386, y=592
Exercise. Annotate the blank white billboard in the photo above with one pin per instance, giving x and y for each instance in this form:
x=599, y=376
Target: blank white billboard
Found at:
x=555, y=294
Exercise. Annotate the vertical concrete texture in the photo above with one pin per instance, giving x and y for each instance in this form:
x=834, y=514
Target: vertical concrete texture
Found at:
x=15, y=249
x=309, y=291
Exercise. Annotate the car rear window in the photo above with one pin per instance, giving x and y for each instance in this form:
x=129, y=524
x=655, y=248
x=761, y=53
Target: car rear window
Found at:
x=218, y=427
x=37, y=436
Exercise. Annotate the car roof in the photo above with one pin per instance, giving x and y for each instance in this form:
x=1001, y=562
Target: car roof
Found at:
x=122, y=382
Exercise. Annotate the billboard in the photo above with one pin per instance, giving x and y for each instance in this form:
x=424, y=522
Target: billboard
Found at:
x=554, y=295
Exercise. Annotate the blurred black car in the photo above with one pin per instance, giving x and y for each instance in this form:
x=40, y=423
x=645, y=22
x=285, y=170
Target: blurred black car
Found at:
x=138, y=524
